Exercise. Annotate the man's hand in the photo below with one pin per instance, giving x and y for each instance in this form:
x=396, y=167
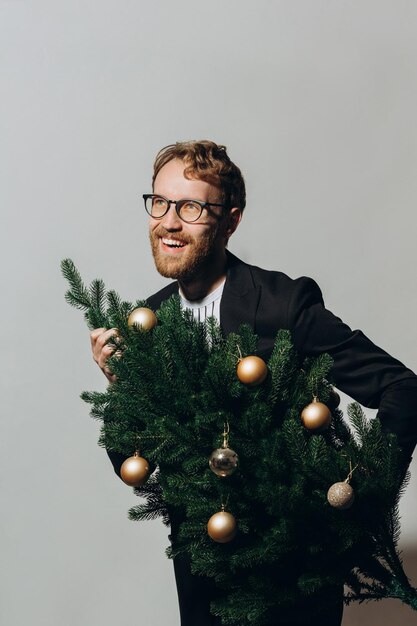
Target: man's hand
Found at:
x=102, y=350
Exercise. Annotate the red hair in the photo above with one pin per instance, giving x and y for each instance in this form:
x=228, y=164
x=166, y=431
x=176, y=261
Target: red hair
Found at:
x=205, y=160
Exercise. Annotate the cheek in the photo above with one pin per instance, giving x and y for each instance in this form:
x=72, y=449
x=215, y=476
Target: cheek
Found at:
x=204, y=236
x=154, y=229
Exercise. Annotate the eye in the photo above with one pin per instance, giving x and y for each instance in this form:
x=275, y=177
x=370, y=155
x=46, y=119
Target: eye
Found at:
x=190, y=210
x=158, y=206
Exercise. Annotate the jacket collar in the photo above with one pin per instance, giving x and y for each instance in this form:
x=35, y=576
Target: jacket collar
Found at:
x=240, y=296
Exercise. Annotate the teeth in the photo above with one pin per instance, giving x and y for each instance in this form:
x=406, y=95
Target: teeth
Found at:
x=173, y=243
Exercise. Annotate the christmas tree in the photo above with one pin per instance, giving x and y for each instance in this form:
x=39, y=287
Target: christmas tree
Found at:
x=289, y=507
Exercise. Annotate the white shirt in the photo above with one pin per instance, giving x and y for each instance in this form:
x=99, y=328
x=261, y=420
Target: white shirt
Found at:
x=209, y=306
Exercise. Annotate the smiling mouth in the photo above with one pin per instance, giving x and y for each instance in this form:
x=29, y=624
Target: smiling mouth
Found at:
x=173, y=243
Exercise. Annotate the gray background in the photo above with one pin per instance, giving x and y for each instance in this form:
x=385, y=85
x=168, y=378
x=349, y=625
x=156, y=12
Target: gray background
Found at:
x=316, y=102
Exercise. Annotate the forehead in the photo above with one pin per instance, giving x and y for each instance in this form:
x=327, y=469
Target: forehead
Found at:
x=171, y=182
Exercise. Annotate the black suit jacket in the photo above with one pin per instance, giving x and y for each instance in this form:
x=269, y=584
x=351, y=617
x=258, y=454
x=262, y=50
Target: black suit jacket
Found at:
x=269, y=301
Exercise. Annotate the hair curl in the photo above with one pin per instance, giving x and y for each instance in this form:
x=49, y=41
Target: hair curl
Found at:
x=205, y=160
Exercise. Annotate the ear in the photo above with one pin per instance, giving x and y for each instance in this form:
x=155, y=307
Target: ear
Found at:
x=232, y=221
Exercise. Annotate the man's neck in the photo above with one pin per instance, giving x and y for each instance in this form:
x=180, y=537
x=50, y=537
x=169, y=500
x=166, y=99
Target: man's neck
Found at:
x=206, y=281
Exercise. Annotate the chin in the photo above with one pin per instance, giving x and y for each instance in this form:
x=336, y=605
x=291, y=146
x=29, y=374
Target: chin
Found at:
x=181, y=269
x=197, y=260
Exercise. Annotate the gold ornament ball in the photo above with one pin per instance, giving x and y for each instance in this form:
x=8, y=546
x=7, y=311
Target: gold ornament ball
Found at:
x=223, y=461
x=142, y=317
x=252, y=370
x=341, y=496
x=222, y=527
x=316, y=416
x=135, y=471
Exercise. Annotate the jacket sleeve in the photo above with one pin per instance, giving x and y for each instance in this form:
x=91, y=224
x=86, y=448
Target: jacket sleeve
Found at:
x=361, y=369
x=117, y=460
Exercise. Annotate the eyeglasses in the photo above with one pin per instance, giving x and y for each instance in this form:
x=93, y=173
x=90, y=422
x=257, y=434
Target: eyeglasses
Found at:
x=187, y=210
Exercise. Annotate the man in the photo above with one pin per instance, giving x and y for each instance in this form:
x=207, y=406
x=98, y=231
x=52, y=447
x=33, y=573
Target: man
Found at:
x=196, y=205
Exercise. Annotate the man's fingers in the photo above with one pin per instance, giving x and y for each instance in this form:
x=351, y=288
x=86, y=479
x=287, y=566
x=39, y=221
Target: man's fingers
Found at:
x=105, y=352
x=99, y=338
x=109, y=375
x=95, y=334
x=99, y=344
x=103, y=337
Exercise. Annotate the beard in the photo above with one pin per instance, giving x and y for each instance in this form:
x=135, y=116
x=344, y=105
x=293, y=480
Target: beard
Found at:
x=198, y=254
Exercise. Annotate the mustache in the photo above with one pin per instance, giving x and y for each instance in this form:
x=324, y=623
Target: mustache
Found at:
x=160, y=231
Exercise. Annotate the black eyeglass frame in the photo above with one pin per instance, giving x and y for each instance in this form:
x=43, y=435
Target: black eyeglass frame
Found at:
x=178, y=204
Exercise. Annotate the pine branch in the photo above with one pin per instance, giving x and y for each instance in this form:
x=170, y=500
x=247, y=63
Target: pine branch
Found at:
x=78, y=295
x=151, y=509
x=97, y=295
x=90, y=300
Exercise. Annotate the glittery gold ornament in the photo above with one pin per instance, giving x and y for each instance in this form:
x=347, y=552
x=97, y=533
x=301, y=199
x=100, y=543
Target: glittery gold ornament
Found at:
x=341, y=495
x=223, y=461
x=222, y=527
x=316, y=416
x=142, y=317
x=252, y=370
x=135, y=470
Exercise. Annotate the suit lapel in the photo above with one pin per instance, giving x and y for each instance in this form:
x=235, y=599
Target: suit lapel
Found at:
x=240, y=297
x=156, y=300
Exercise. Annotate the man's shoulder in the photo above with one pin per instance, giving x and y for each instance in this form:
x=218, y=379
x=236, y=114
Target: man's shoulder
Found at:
x=266, y=299
x=275, y=280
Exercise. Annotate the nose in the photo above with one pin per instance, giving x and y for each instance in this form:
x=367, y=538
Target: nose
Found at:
x=171, y=220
